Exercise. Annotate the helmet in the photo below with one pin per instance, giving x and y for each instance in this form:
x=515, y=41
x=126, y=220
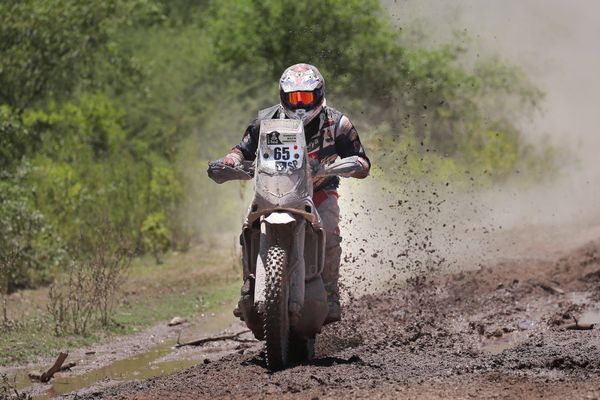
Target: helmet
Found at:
x=302, y=92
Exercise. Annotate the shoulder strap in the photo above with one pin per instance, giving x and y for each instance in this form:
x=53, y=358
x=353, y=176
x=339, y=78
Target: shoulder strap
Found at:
x=337, y=119
x=268, y=113
x=322, y=117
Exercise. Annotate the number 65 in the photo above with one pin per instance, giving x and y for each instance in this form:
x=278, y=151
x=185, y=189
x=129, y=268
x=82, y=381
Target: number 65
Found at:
x=280, y=153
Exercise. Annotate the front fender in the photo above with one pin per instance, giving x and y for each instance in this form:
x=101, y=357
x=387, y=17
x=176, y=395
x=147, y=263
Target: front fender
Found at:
x=280, y=218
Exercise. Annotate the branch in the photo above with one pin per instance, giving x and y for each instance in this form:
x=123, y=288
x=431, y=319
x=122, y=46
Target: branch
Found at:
x=58, y=366
x=200, y=342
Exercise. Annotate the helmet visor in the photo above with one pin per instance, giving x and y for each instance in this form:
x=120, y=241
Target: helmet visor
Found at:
x=296, y=99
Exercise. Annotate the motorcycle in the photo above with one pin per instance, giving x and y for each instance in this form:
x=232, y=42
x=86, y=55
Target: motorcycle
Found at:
x=283, y=301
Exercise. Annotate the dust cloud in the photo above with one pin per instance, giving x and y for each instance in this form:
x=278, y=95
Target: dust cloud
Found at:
x=393, y=236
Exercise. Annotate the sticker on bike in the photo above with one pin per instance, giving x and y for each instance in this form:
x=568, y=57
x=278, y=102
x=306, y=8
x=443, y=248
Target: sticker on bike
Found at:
x=273, y=138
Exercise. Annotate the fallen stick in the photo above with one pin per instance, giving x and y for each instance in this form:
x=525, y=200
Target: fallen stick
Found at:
x=58, y=366
x=177, y=321
x=67, y=367
x=200, y=342
x=549, y=288
x=579, y=327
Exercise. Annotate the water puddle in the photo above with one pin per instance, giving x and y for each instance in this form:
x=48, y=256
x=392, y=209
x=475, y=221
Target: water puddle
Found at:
x=141, y=366
x=159, y=360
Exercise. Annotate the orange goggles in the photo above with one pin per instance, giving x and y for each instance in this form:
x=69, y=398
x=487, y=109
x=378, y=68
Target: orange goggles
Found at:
x=306, y=98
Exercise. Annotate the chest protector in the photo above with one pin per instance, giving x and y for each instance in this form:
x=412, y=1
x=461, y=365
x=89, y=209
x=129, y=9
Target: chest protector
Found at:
x=320, y=134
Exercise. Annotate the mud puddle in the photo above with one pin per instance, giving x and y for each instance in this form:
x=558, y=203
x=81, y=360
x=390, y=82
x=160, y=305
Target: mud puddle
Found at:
x=159, y=359
x=142, y=366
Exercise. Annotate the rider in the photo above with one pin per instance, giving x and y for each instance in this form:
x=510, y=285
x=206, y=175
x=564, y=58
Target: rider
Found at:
x=329, y=135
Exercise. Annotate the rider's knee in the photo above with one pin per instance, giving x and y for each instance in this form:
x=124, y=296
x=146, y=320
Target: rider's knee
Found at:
x=332, y=240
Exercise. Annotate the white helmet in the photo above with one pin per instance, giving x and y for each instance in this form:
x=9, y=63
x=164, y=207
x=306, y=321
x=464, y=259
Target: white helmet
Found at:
x=302, y=92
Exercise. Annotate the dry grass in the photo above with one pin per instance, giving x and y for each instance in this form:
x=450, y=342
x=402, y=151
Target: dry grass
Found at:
x=187, y=284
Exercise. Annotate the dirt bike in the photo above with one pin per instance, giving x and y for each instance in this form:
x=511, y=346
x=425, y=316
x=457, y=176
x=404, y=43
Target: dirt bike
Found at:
x=284, y=301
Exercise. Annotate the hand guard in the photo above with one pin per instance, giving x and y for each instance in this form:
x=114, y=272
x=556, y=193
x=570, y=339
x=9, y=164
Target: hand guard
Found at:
x=349, y=167
x=220, y=172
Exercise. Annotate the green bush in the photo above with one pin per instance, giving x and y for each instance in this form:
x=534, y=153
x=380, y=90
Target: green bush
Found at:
x=110, y=110
x=30, y=250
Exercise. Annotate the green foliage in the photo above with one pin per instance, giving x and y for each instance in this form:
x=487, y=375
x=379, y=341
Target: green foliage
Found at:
x=112, y=109
x=75, y=171
x=29, y=249
x=156, y=234
x=356, y=48
x=47, y=45
x=444, y=99
x=350, y=41
x=14, y=138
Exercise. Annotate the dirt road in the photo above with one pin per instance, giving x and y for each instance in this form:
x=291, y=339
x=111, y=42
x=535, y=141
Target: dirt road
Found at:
x=498, y=332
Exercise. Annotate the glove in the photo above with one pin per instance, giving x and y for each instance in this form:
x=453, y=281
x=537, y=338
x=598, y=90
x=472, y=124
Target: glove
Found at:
x=233, y=159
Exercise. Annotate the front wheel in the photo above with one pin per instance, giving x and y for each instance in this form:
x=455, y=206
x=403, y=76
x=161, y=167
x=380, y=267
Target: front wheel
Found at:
x=302, y=349
x=276, y=325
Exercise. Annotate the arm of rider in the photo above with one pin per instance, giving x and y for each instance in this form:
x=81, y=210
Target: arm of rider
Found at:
x=246, y=150
x=353, y=162
x=347, y=167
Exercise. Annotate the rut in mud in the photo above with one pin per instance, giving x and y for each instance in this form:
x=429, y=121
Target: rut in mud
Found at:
x=499, y=331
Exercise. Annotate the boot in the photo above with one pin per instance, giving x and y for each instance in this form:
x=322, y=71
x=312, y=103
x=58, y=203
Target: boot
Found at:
x=331, y=275
x=335, y=311
x=245, y=299
x=237, y=312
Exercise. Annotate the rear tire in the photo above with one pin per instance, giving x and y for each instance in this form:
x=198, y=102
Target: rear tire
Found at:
x=276, y=325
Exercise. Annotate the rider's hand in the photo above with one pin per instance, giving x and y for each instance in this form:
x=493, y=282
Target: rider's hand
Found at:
x=233, y=159
x=229, y=161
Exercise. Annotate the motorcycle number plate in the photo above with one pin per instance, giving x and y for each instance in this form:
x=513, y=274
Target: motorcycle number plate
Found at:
x=281, y=150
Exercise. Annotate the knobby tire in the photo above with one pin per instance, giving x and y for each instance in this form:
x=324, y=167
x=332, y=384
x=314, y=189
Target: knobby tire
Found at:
x=276, y=319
